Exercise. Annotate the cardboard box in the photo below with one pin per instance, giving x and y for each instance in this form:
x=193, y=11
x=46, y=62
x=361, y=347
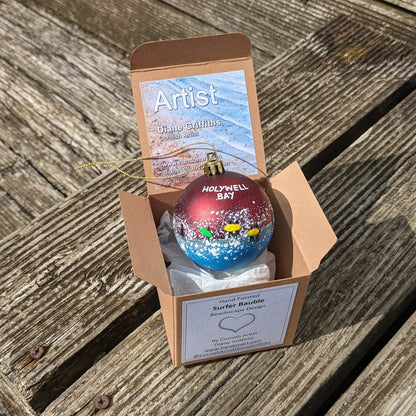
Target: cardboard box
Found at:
x=175, y=83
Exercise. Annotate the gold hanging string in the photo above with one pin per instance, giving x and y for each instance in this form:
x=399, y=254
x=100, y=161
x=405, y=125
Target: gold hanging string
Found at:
x=113, y=163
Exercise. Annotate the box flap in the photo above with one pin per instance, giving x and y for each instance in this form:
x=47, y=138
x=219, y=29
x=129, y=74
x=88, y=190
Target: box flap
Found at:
x=190, y=51
x=303, y=234
x=192, y=91
x=147, y=259
x=167, y=305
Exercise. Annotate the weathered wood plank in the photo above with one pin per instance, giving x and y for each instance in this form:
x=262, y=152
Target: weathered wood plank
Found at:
x=73, y=260
x=388, y=385
x=334, y=83
x=46, y=47
x=11, y=402
x=274, y=26
x=368, y=195
x=60, y=73
x=404, y=4
x=63, y=101
x=277, y=25
x=144, y=355
x=11, y=211
x=136, y=22
x=67, y=284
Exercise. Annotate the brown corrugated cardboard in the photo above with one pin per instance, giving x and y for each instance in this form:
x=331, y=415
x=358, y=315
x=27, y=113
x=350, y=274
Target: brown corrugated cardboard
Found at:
x=227, y=322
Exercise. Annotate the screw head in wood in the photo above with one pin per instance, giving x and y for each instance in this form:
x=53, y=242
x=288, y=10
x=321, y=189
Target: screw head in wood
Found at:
x=37, y=351
x=102, y=402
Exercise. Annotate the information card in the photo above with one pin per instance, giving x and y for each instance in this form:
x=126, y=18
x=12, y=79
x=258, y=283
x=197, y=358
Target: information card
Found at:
x=222, y=325
x=209, y=108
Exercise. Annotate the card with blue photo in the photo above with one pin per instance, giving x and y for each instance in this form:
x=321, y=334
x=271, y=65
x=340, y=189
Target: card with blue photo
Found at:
x=211, y=108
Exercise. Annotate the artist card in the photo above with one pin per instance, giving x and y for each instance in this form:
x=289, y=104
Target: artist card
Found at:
x=209, y=108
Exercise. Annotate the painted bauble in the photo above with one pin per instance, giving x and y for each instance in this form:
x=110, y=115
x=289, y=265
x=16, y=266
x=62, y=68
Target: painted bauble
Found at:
x=223, y=222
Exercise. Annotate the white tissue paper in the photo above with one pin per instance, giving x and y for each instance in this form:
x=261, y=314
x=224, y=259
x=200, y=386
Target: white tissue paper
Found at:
x=187, y=277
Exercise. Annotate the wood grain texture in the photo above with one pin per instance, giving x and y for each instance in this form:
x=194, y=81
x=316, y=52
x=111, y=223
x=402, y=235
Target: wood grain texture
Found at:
x=145, y=357
x=11, y=402
x=67, y=278
x=136, y=22
x=388, y=385
x=67, y=284
x=325, y=87
x=63, y=102
x=12, y=168
x=404, y=4
x=367, y=280
x=130, y=24
x=275, y=26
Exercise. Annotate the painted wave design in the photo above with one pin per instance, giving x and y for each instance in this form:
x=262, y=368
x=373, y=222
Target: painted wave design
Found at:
x=226, y=254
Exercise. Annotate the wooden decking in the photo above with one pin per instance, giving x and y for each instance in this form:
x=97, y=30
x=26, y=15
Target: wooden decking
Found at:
x=336, y=84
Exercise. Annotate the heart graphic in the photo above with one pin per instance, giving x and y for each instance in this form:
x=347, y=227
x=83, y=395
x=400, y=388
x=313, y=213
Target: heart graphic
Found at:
x=234, y=324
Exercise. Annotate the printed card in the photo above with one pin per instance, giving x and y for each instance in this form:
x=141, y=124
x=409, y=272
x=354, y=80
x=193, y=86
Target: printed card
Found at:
x=236, y=323
x=209, y=108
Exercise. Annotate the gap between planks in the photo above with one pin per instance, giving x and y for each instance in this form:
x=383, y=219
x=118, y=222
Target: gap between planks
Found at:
x=371, y=362
x=387, y=385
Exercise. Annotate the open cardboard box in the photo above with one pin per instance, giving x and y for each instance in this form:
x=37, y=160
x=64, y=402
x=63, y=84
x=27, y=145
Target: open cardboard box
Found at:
x=209, y=325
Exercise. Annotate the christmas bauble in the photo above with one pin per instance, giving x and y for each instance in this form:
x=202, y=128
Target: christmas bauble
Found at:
x=223, y=222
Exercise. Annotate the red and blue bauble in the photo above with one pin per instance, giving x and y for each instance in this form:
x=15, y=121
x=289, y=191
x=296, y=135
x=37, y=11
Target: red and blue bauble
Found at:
x=223, y=221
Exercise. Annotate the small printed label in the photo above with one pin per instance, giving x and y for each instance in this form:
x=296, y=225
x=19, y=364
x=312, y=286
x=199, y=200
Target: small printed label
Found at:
x=211, y=108
x=229, y=324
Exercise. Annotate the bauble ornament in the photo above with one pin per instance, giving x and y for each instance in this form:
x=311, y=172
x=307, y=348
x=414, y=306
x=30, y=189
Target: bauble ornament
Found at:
x=223, y=220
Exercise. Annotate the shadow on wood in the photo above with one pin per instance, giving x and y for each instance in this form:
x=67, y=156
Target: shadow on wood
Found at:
x=365, y=248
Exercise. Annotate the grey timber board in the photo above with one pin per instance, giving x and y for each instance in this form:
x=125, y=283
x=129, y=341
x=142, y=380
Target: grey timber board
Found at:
x=74, y=257
x=67, y=285
x=11, y=402
x=365, y=282
x=387, y=386
x=13, y=166
x=404, y=4
x=341, y=73
x=136, y=22
x=276, y=25
x=129, y=24
x=63, y=102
